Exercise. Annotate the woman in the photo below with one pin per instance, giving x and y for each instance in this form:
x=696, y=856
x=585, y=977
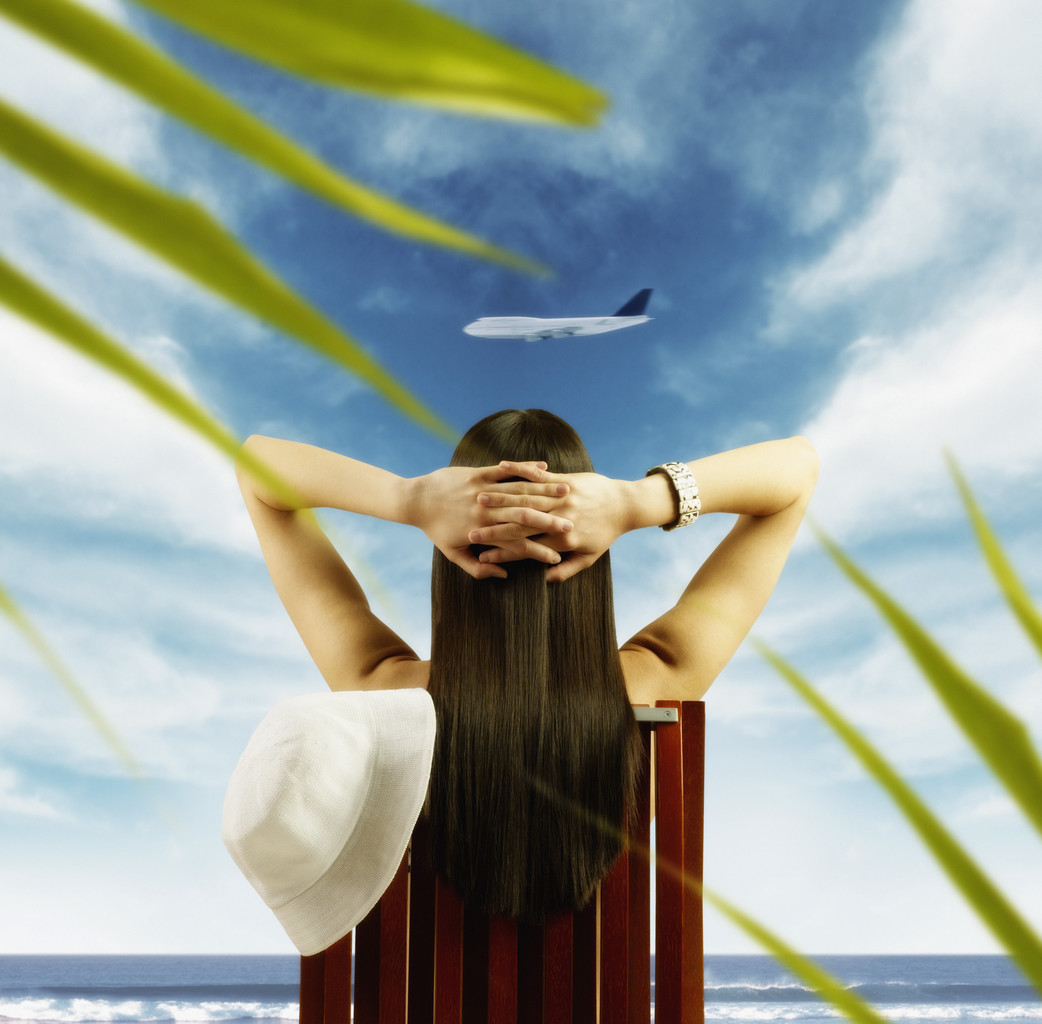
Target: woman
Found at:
x=536, y=742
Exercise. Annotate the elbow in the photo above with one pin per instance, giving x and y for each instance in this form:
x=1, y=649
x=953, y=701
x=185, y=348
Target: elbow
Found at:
x=253, y=448
x=804, y=468
x=251, y=451
x=247, y=448
x=252, y=443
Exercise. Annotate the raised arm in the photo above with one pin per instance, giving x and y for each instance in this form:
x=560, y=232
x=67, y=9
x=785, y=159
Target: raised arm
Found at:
x=352, y=648
x=680, y=654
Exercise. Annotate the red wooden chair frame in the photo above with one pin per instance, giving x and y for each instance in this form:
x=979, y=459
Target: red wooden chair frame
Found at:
x=422, y=957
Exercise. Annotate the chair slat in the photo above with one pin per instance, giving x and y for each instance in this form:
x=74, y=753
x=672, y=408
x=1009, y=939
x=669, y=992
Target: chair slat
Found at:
x=421, y=928
x=694, y=739
x=530, y=942
x=394, y=938
x=448, y=957
x=367, y=969
x=557, y=970
x=502, y=971
x=312, y=988
x=639, y=992
x=669, y=889
x=476, y=970
x=584, y=965
x=615, y=943
x=337, y=987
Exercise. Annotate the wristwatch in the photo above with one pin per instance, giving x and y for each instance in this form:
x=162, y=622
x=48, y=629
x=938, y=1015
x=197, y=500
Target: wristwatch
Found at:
x=684, y=488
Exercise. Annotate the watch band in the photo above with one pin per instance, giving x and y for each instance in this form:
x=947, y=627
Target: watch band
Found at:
x=685, y=489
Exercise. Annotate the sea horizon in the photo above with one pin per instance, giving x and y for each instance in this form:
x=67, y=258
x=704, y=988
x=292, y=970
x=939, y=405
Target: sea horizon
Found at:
x=149, y=988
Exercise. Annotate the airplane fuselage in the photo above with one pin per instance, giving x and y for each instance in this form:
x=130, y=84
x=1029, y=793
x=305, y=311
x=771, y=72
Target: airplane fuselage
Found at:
x=532, y=328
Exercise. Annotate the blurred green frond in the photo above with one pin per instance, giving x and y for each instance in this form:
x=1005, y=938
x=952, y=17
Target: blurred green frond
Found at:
x=186, y=236
x=1000, y=737
x=829, y=988
x=78, y=694
x=994, y=910
x=395, y=49
x=136, y=65
x=1013, y=589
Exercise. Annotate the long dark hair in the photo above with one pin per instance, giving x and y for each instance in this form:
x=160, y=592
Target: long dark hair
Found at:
x=536, y=739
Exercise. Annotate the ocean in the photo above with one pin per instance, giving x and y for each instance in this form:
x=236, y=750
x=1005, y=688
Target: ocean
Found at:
x=909, y=989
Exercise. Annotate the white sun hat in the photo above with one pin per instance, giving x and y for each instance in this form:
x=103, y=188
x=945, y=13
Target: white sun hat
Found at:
x=321, y=805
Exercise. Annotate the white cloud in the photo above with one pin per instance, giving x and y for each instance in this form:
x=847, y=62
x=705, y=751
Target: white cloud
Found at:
x=183, y=707
x=987, y=804
x=81, y=443
x=385, y=298
x=16, y=801
x=967, y=381
x=956, y=138
x=943, y=270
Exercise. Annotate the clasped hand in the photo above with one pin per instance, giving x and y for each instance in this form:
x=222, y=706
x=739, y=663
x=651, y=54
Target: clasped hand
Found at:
x=519, y=510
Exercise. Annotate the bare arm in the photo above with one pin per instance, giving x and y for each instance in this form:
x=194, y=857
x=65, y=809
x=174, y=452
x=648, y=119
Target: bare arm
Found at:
x=350, y=645
x=680, y=654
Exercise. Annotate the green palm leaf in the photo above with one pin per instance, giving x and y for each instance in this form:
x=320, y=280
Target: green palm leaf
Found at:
x=27, y=299
x=1000, y=737
x=1011, y=930
x=138, y=66
x=184, y=235
x=393, y=48
x=828, y=987
x=78, y=694
x=1013, y=589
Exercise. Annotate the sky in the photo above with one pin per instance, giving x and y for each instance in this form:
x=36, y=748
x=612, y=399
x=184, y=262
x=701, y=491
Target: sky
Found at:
x=838, y=208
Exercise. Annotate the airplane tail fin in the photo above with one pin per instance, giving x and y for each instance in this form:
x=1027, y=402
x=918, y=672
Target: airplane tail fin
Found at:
x=636, y=305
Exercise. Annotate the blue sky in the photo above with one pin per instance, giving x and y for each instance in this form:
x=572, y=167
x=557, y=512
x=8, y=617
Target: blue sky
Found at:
x=837, y=206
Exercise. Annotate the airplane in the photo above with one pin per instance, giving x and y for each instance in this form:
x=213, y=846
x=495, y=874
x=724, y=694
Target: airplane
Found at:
x=532, y=328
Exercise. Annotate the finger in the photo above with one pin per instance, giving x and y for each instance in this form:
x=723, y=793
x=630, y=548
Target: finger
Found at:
x=535, y=467
x=503, y=533
x=464, y=558
x=519, y=492
x=519, y=551
x=512, y=532
x=569, y=567
x=534, y=471
x=530, y=468
x=522, y=522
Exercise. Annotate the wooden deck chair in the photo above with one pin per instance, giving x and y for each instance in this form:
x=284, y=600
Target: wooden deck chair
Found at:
x=420, y=956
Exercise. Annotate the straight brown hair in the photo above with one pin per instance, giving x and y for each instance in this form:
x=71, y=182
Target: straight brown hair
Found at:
x=537, y=744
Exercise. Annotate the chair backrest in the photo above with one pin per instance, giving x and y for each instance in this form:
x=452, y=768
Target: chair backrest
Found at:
x=421, y=956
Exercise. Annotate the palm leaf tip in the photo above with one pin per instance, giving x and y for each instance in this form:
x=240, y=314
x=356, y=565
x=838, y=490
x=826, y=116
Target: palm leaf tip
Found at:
x=395, y=49
x=1009, y=582
x=833, y=991
x=69, y=683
